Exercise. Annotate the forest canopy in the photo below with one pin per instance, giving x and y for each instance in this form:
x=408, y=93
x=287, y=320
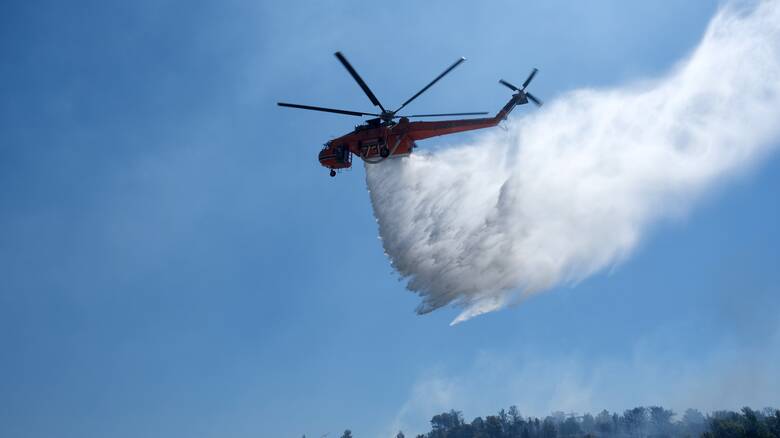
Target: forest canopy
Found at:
x=638, y=422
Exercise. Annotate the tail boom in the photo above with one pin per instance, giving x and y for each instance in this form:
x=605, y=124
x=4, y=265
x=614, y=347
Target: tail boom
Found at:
x=423, y=130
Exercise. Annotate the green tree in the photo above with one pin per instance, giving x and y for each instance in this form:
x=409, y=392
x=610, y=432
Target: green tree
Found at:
x=478, y=425
x=548, y=429
x=635, y=420
x=569, y=428
x=446, y=421
x=506, y=423
x=773, y=423
x=661, y=421
x=514, y=415
x=588, y=423
x=604, y=423
x=754, y=427
x=693, y=423
x=725, y=424
x=493, y=427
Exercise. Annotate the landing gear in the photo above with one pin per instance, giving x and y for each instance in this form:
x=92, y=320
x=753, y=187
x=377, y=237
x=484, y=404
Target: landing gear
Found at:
x=332, y=173
x=384, y=152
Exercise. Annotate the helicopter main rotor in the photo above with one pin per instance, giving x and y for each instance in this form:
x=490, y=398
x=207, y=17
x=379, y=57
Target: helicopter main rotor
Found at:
x=385, y=115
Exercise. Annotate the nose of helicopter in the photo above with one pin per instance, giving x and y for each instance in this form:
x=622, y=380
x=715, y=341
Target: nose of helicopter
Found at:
x=335, y=157
x=324, y=154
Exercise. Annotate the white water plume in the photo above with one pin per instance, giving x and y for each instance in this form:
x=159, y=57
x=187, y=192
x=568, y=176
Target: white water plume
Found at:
x=572, y=188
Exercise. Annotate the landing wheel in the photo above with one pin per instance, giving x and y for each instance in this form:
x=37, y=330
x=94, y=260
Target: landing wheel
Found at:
x=332, y=172
x=384, y=152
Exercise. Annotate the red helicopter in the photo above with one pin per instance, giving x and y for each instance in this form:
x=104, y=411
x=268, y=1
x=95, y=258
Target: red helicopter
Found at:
x=382, y=137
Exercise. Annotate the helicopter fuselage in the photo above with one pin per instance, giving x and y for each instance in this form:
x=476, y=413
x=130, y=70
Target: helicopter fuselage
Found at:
x=376, y=141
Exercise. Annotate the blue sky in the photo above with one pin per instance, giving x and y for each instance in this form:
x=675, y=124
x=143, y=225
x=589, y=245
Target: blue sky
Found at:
x=176, y=262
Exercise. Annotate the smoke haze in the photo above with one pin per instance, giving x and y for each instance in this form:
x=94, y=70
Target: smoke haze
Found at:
x=572, y=189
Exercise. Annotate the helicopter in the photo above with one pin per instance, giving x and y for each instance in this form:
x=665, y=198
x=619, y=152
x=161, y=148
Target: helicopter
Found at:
x=383, y=137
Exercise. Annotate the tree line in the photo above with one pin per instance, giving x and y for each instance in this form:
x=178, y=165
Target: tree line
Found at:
x=639, y=422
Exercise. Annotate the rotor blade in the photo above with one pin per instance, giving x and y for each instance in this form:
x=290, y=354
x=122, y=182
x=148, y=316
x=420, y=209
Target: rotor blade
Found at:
x=327, y=110
x=534, y=99
x=530, y=78
x=444, y=115
x=449, y=69
x=359, y=80
x=512, y=87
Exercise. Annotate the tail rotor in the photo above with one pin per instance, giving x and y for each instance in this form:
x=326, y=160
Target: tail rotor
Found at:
x=523, y=95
